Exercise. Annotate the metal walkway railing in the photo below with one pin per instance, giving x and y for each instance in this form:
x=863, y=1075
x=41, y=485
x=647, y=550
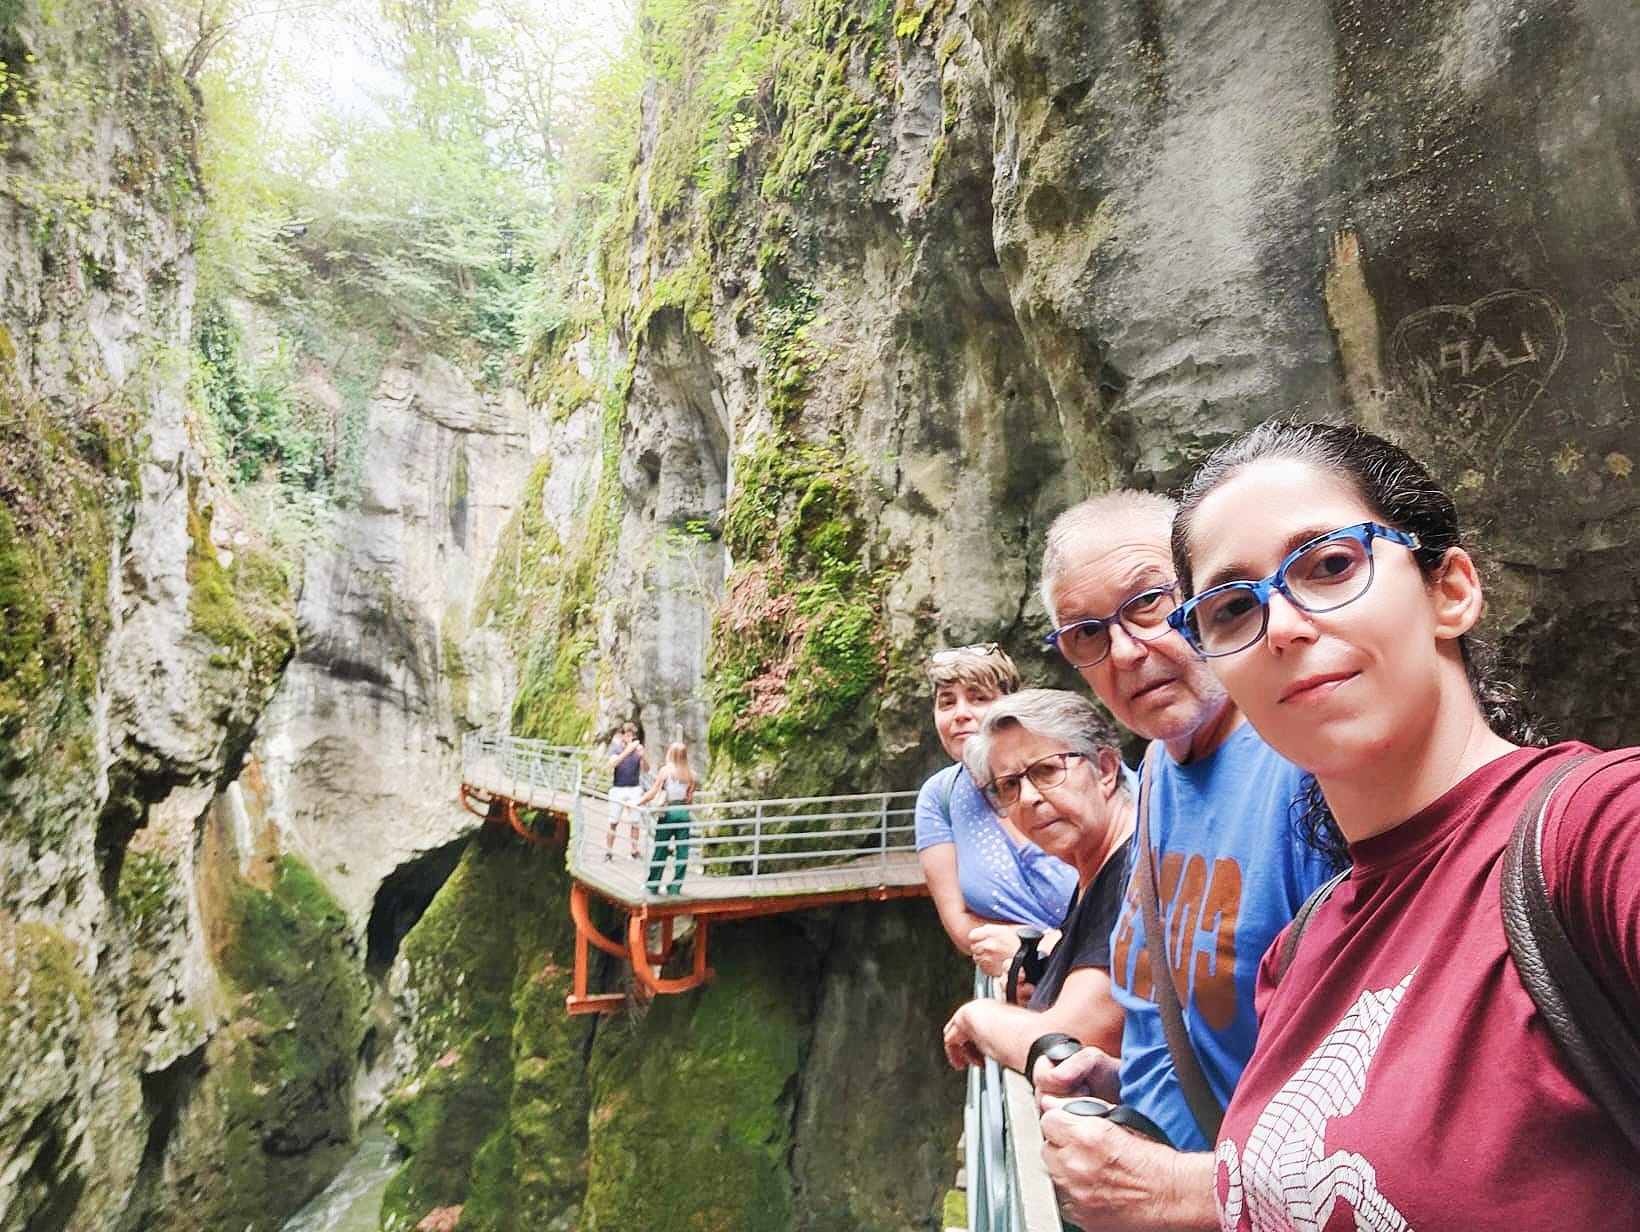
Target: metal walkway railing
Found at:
x=1008, y=1188
x=731, y=858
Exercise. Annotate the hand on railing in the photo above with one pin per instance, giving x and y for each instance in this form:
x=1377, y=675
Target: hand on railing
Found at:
x=992, y=947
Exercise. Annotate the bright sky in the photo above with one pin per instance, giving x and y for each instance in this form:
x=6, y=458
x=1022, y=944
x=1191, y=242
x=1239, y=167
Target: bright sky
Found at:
x=323, y=49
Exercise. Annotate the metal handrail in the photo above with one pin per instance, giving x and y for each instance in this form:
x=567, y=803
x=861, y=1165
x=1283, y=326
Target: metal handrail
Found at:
x=788, y=836
x=1008, y=1186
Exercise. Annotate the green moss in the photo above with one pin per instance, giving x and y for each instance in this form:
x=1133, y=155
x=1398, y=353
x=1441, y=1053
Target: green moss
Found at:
x=148, y=888
x=757, y=100
x=692, y=1108
x=244, y=609
x=954, y=1209
x=560, y=590
x=61, y=511
x=799, y=645
x=494, y=1116
x=912, y=17
x=274, y=1109
x=40, y=980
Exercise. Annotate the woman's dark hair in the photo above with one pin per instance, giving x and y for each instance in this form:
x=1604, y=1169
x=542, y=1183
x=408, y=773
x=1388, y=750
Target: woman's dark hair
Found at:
x=1402, y=494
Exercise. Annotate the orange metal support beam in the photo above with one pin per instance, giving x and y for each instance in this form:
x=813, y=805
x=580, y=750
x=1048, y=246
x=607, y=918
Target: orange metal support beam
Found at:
x=580, y=1001
x=580, y=911
x=637, y=925
x=475, y=801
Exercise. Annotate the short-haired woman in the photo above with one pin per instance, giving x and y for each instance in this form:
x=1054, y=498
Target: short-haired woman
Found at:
x=985, y=877
x=1404, y=1077
x=1049, y=759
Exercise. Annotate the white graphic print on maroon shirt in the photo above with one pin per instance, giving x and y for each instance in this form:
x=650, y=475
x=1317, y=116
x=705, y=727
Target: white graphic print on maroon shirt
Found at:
x=1282, y=1179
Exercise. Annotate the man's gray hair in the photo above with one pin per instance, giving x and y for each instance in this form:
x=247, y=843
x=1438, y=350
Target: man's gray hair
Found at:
x=1056, y=714
x=1068, y=536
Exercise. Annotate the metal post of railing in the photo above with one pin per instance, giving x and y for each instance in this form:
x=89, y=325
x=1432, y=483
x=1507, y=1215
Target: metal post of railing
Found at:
x=882, y=832
x=757, y=838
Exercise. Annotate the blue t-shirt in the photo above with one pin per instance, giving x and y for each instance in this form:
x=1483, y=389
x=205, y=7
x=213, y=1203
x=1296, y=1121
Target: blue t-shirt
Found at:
x=1018, y=885
x=1232, y=870
x=626, y=772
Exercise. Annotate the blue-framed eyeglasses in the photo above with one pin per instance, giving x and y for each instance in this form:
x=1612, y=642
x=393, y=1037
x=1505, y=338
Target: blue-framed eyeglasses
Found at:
x=1143, y=617
x=1319, y=576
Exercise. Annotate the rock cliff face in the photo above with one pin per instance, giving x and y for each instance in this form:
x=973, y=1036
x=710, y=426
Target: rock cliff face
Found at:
x=1046, y=248
x=143, y=630
x=357, y=758
x=889, y=287
x=1415, y=215
x=185, y=1002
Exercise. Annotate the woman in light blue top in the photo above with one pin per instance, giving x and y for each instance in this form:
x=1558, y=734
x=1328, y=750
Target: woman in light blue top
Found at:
x=986, y=878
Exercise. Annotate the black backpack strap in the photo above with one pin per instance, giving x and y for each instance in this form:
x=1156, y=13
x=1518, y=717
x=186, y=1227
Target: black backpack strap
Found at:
x=1301, y=921
x=1598, y=1039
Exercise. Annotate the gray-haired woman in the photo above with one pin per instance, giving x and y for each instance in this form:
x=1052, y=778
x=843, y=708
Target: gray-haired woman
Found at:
x=1049, y=758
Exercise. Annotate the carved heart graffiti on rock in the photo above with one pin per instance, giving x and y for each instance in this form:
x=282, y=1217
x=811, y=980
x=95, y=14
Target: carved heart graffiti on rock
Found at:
x=1484, y=363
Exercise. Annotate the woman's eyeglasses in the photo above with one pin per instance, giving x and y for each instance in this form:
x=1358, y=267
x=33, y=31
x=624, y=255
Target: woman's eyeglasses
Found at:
x=941, y=657
x=1049, y=771
x=1319, y=576
x=1143, y=617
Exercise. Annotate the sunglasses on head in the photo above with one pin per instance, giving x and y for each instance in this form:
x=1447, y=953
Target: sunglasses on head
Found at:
x=941, y=657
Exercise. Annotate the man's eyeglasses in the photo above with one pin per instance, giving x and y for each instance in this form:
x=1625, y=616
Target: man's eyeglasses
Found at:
x=1143, y=617
x=1049, y=771
x=941, y=657
x=1319, y=576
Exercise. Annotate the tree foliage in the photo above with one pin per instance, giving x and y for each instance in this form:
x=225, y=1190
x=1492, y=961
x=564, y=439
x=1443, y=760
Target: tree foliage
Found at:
x=378, y=171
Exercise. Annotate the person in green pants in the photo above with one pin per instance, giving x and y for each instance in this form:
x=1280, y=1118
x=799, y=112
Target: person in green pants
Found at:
x=676, y=784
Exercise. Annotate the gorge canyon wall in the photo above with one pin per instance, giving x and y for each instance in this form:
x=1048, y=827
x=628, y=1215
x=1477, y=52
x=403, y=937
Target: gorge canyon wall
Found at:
x=889, y=286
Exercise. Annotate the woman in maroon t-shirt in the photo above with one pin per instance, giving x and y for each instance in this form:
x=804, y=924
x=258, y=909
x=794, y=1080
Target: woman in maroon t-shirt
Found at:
x=1403, y=1078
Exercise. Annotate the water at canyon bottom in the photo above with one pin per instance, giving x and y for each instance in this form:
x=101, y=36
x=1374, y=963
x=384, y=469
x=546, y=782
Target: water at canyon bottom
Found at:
x=353, y=1201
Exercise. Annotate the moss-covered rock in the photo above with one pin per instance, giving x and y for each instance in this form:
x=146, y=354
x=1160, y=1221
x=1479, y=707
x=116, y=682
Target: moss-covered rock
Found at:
x=244, y=607
x=494, y=1114
x=270, y=1118
x=59, y=517
x=45, y=1005
x=800, y=647
x=692, y=1102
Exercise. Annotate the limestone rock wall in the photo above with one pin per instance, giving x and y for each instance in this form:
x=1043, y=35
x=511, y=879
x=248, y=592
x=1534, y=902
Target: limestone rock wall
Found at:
x=1420, y=216
x=356, y=762
x=143, y=630
x=1077, y=246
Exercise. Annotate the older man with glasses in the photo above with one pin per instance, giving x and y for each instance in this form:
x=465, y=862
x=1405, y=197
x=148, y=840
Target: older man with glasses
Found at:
x=1228, y=870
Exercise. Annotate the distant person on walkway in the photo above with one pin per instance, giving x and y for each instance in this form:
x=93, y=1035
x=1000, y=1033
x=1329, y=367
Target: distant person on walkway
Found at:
x=626, y=766
x=1048, y=759
x=986, y=877
x=676, y=784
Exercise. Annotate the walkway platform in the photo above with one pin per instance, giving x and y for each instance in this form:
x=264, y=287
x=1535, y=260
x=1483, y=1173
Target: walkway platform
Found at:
x=745, y=858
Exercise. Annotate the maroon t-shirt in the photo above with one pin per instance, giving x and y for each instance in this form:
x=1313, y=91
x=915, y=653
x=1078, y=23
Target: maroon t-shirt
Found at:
x=1403, y=1078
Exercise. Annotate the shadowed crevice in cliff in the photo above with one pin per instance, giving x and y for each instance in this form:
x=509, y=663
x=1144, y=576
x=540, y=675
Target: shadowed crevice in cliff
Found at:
x=165, y=1094
x=402, y=900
